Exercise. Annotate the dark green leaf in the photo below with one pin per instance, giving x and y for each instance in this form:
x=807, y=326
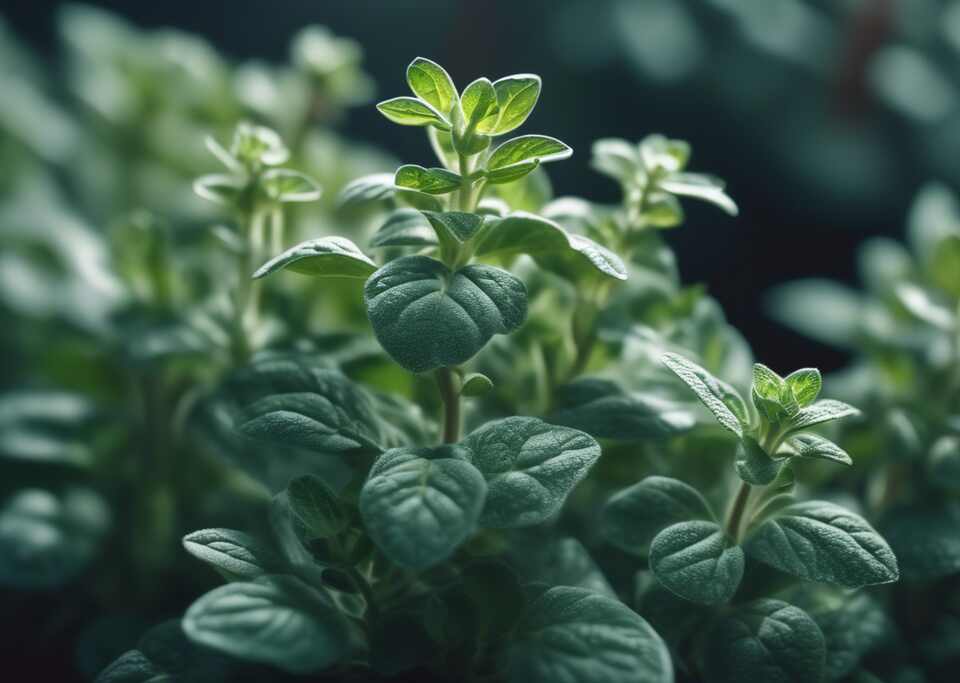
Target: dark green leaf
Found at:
x=753, y=464
x=815, y=446
x=767, y=640
x=530, y=467
x=405, y=228
x=235, y=554
x=633, y=516
x=276, y=620
x=821, y=541
x=571, y=634
x=418, y=505
x=316, y=507
x=454, y=225
x=720, y=398
x=426, y=316
x=925, y=540
x=322, y=257
x=476, y=384
x=697, y=561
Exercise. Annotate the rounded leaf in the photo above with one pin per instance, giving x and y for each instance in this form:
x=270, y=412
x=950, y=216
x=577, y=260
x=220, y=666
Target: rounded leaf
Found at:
x=322, y=257
x=696, y=561
x=431, y=83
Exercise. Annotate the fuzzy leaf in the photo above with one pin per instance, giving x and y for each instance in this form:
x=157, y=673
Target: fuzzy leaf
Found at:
x=766, y=640
x=431, y=83
x=454, y=225
x=824, y=410
x=805, y=385
x=322, y=257
x=717, y=395
x=753, y=464
x=426, y=316
x=570, y=255
x=275, y=619
x=570, y=634
x=530, y=467
x=528, y=148
x=405, y=228
x=695, y=560
x=409, y=111
x=427, y=180
x=634, y=516
x=821, y=541
x=419, y=504
x=235, y=554
x=315, y=508
x=815, y=446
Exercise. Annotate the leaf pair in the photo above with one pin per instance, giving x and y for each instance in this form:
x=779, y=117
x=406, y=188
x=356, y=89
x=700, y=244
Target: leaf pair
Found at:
x=420, y=504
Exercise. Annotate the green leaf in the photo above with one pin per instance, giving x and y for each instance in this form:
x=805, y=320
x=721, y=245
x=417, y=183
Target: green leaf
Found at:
x=419, y=504
x=805, y=385
x=766, y=640
x=821, y=541
x=924, y=538
x=316, y=508
x=527, y=148
x=46, y=427
x=530, y=467
x=771, y=395
x=370, y=188
x=322, y=411
x=820, y=309
x=277, y=620
x=479, y=102
x=431, y=83
x=219, y=188
x=476, y=384
x=558, y=562
x=634, y=516
x=719, y=397
x=427, y=180
x=660, y=153
x=405, y=228
x=571, y=634
x=409, y=111
x=753, y=464
x=696, y=560
x=568, y=254
x=322, y=257
x=516, y=96
x=815, y=446
x=605, y=410
x=132, y=667
x=47, y=539
x=824, y=410
x=513, y=173
x=943, y=465
x=254, y=145
x=454, y=225
x=427, y=317
x=705, y=187
x=616, y=158
x=284, y=185
x=235, y=554
x=418, y=200
x=925, y=306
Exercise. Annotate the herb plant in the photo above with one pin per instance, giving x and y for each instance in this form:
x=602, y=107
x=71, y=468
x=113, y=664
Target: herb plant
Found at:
x=480, y=433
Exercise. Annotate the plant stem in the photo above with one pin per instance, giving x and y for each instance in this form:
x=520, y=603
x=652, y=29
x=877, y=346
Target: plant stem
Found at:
x=451, y=404
x=247, y=294
x=465, y=198
x=735, y=519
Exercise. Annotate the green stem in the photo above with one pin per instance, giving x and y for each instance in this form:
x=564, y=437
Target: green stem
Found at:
x=247, y=293
x=450, y=397
x=735, y=518
x=465, y=197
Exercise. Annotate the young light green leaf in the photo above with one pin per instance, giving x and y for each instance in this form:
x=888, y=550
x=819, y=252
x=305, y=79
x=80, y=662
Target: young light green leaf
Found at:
x=821, y=541
x=753, y=464
x=720, y=398
x=235, y=554
x=528, y=148
x=316, y=508
x=427, y=180
x=824, y=410
x=634, y=516
x=454, y=225
x=512, y=173
x=431, y=83
x=370, y=188
x=771, y=395
x=276, y=619
x=409, y=111
x=419, y=504
x=815, y=446
x=405, y=228
x=426, y=316
x=530, y=467
x=284, y=185
x=805, y=385
x=516, y=96
x=700, y=186
x=766, y=640
x=254, y=145
x=571, y=634
x=322, y=257
x=219, y=188
x=696, y=560
x=660, y=153
x=479, y=102
x=573, y=256
x=605, y=410
x=476, y=384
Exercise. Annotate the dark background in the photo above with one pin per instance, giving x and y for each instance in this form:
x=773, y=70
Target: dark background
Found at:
x=753, y=117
